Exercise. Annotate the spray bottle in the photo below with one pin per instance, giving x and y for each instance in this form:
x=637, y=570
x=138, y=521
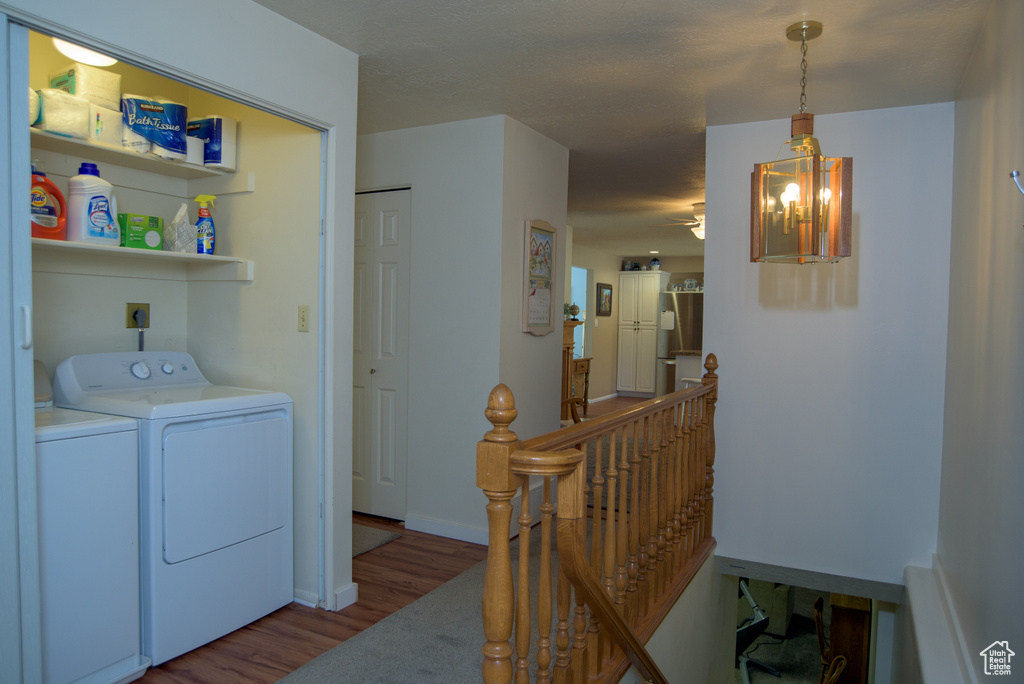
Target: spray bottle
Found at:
x=205, y=234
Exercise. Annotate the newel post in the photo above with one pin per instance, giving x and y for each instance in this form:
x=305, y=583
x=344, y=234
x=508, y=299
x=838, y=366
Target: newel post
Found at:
x=494, y=475
x=711, y=378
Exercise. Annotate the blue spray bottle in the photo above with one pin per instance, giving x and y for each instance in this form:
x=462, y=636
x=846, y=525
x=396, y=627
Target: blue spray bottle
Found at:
x=206, y=236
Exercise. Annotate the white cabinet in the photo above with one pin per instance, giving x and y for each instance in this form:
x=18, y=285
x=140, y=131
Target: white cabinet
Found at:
x=639, y=293
x=637, y=359
x=639, y=308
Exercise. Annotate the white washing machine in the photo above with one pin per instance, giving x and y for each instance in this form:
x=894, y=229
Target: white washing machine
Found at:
x=215, y=467
x=87, y=475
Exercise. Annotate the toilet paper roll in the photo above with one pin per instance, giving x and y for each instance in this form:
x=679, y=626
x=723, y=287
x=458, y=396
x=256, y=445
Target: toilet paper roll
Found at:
x=133, y=141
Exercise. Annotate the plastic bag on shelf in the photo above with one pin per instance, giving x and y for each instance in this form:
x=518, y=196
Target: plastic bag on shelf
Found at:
x=179, y=234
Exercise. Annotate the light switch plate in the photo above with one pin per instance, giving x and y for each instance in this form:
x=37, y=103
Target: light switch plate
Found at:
x=303, y=318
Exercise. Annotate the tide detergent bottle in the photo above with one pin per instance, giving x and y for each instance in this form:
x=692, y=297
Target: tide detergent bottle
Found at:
x=92, y=209
x=49, y=213
x=206, y=236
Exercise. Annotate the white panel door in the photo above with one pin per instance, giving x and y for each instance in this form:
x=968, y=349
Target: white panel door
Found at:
x=628, y=288
x=646, y=359
x=648, y=298
x=626, y=378
x=380, y=372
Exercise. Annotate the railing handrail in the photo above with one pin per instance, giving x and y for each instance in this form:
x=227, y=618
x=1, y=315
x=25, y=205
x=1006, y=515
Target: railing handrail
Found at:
x=566, y=437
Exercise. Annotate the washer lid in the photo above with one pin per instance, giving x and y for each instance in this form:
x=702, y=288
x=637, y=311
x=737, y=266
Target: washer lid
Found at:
x=176, y=402
x=60, y=423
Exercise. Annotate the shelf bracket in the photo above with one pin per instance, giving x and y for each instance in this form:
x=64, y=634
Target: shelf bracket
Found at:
x=237, y=184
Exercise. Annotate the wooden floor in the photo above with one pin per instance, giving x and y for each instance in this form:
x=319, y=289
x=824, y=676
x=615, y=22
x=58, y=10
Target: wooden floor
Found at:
x=601, y=408
x=389, y=578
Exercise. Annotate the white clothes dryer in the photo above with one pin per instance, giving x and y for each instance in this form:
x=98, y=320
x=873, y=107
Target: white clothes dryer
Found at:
x=215, y=467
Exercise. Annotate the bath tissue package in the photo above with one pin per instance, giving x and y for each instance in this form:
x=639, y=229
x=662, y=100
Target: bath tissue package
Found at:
x=159, y=122
x=94, y=84
x=220, y=135
x=104, y=125
x=63, y=114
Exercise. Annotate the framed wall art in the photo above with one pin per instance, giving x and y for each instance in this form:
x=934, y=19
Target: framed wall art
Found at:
x=604, y=299
x=539, y=278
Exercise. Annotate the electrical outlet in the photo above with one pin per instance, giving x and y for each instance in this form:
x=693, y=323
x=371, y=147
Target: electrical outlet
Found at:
x=129, y=315
x=303, y=318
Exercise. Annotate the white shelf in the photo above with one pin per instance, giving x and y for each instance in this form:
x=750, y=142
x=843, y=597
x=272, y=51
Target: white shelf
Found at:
x=120, y=156
x=104, y=260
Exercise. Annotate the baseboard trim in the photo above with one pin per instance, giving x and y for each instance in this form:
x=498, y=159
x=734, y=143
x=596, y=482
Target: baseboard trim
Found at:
x=346, y=596
x=306, y=598
x=822, y=581
x=476, y=535
x=939, y=652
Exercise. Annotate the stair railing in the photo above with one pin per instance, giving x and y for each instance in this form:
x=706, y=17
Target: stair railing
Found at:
x=634, y=522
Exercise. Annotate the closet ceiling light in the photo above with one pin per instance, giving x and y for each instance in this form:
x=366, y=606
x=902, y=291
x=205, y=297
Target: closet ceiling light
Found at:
x=83, y=55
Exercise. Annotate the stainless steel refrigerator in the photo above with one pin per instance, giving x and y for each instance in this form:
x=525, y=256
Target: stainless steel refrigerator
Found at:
x=680, y=333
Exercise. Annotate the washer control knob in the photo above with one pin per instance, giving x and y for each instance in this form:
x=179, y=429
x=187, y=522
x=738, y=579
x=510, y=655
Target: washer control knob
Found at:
x=167, y=368
x=140, y=370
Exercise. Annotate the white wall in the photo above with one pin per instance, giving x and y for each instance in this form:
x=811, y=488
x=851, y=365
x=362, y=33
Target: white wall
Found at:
x=465, y=244
x=980, y=545
x=696, y=642
x=235, y=35
x=829, y=420
x=602, y=330
x=535, y=187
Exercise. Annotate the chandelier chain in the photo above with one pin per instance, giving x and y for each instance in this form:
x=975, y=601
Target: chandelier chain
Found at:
x=803, y=69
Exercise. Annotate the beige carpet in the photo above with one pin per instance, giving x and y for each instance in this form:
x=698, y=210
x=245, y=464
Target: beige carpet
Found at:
x=367, y=538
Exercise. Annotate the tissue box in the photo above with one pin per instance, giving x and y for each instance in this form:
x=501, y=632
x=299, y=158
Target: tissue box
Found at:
x=98, y=86
x=220, y=135
x=63, y=114
x=140, y=231
x=104, y=125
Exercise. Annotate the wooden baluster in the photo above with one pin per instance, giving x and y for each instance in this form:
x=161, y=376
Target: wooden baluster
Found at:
x=562, y=659
x=711, y=378
x=578, y=657
x=652, y=512
x=662, y=512
x=610, y=541
x=633, y=561
x=691, y=477
x=544, y=598
x=678, y=527
x=499, y=483
x=523, y=613
x=594, y=648
x=645, y=521
x=621, y=541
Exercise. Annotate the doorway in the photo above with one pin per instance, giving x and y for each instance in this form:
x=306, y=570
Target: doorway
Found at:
x=380, y=348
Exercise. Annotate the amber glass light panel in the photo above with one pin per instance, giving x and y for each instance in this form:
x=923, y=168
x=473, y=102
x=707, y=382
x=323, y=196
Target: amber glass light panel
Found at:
x=801, y=209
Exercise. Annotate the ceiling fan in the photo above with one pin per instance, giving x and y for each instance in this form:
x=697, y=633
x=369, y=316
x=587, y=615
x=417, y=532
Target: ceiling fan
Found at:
x=696, y=224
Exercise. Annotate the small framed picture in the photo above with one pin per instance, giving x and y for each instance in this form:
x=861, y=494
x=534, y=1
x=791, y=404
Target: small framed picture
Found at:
x=604, y=299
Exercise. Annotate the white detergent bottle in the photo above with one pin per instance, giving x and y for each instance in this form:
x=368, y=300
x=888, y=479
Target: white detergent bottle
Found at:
x=92, y=208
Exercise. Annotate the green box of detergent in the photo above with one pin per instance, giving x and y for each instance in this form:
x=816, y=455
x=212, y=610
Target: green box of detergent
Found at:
x=141, y=231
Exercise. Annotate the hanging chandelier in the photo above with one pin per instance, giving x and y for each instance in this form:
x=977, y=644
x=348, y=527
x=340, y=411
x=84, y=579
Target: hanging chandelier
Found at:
x=801, y=208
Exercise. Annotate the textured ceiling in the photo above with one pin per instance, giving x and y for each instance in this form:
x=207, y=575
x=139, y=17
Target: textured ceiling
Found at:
x=630, y=85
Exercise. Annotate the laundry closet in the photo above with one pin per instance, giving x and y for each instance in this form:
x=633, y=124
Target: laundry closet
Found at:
x=235, y=312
